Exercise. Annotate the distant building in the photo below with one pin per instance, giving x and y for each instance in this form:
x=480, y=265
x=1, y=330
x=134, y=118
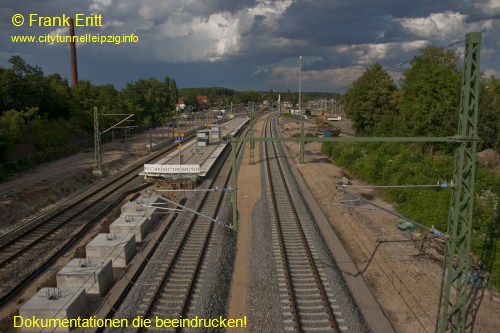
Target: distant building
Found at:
x=202, y=100
x=180, y=104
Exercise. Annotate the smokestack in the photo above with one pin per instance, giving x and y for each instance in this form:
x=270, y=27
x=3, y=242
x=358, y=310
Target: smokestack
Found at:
x=72, y=54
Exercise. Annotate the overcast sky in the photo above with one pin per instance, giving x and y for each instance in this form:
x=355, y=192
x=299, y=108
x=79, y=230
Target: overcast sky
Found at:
x=251, y=44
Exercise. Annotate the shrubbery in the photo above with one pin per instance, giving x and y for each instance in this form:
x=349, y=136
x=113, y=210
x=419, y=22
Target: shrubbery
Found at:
x=405, y=164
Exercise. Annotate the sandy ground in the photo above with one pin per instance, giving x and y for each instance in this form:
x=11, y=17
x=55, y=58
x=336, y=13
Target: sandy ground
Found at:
x=405, y=283
x=249, y=192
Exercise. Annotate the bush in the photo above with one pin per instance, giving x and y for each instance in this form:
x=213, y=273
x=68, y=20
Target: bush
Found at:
x=404, y=164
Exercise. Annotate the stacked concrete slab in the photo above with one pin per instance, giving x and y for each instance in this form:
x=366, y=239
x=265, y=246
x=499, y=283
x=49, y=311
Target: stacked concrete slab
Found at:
x=107, y=257
x=54, y=303
x=117, y=247
x=138, y=217
x=136, y=225
x=95, y=276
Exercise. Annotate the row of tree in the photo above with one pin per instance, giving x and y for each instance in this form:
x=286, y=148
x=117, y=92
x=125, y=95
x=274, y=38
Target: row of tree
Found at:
x=45, y=111
x=225, y=96
x=426, y=103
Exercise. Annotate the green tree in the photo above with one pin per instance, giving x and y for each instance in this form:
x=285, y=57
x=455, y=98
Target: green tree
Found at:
x=11, y=125
x=245, y=97
x=56, y=101
x=371, y=102
x=171, y=89
x=149, y=100
x=25, y=85
x=84, y=97
x=431, y=93
x=489, y=114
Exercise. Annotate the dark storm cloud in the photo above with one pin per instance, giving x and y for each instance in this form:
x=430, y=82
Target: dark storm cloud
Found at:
x=348, y=22
x=208, y=7
x=321, y=25
x=480, y=10
x=252, y=43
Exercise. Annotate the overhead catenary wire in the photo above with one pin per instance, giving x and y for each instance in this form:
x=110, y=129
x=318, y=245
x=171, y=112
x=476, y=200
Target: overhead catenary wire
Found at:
x=441, y=185
x=162, y=208
x=389, y=275
x=222, y=189
x=432, y=230
x=216, y=221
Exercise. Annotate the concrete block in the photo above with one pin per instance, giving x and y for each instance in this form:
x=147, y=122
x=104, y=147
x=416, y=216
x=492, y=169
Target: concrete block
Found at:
x=137, y=224
x=95, y=276
x=53, y=303
x=117, y=247
x=148, y=199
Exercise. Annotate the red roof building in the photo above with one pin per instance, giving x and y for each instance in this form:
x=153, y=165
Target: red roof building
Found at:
x=180, y=104
x=202, y=100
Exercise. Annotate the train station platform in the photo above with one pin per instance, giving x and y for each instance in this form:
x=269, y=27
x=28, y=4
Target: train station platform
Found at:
x=194, y=158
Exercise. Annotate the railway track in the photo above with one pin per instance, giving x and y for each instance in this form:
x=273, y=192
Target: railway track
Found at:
x=173, y=284
x=171, y=281
x=307, y=301
x=28, y=249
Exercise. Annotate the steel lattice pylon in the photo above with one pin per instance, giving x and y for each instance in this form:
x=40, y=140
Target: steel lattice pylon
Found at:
x=452, y=309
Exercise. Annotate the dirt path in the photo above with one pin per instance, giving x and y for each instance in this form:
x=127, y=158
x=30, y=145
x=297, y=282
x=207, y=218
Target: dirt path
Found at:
x=29, y=192
x=249, y=192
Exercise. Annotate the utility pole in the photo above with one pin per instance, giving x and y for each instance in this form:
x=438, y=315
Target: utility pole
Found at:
x=452, y=309
x=150, y=141
x=234, y=185
x=301, y=143
x=252, y=143
x=97, y=144
x=98, y=134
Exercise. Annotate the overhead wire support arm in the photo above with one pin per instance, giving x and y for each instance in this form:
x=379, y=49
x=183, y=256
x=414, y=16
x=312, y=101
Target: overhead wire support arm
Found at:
x=98, y=134
x=216, y=221
x=222, y=189
x=345, y=139
x=441, y=185
x=118, y=123
x=161, y=208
